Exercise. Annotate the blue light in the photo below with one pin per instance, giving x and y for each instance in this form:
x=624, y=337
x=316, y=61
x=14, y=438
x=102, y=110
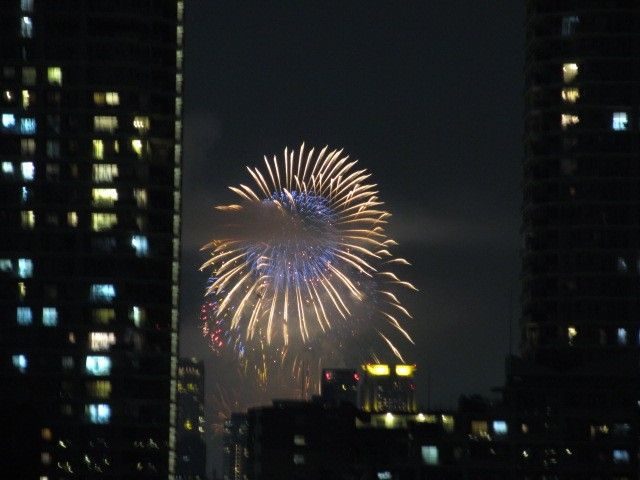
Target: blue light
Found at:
x=104, y=292
x=49, y=316
x=140, y=244
x=98, y=365
x=27, y=126
x=8, y=120
x=500, y=427
x=20, y=362
x=25, y=268
x=24, y=316
x=98, y=413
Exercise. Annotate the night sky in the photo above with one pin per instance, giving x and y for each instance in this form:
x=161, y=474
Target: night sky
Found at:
x=427, y=95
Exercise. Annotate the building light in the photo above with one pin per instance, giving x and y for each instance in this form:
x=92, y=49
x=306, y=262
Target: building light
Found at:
x=105, y=123
x=480, y=429
x=8, y=121
x=448, y=423
x=49, y=316
x=299, y=440
x=72, y=219
x=104, y=197
x=136, y=146
x=141, y=123
x=54, y=76
x=98, y=365
x=24, y=194
x=140, y=244
x=26, y=5
x=98, y=149
x=569, y=24
x=99, y=413
x=620, y=121
x=29, y=76
x=7, y=168
x=24, y=316
x=22, y=290
x=25, y=268
x=429, y=454
x=67, y=362
x=26, y=99
x=384, y=475
x=500, y=427
x=140, y=194
x=569, y=72
x=20, y=362
x=567, y=120
x=6, y=265
x=298, y=459
x=377, y=369
x=622, y=336
x=28, y=126
x=28, y=171
x=102, y=292
x=112, y=98
x=28, y=219
x=104, y=172
x=138, y=316
x=101, y=341
x=104, y=316
x=103, y=221
x=572, y=332
x=621, y=456
x=26, y=27
x=99, y=388
x=405, y=370
x=570, y=95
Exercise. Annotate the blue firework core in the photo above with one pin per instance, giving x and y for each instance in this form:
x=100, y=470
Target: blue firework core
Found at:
x=302, y=243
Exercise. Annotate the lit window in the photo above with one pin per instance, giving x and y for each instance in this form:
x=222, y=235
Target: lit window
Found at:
x=53, y=149
x=99, y=414
x=621, y=456
x=105, y=123
x=22, y=290
x=566, y=120
x=98, y=149
x=99, y=388
x=104, y=316
x=572, y=332
x=26, y=27
x=7, y=168
x=26, y=5
x=112, y=98
x=28, y=219
x=622, y=336
x=54, y=76
x=138, y=316
x=570, y=95
x=569, y=72
x=26, y=99
x=28, y=170
x=500, y=427
x=46, y=434
x=569, y=25
x=619, y=121
x=28, y=126
x=25, y=268
x=141, y=123
x=49, y=316
x=28, y=75
x=98, y=365
x=136, y=146
x=104, y=292
x=299, y=440
x=298, y=459
x=384, y=475
x=103, y=221
x=24, y=194
x=104, y=172
x=6, y=265
x=72, y=219
x=621, y=265
x=480, y=429
x=429, y=454
x=27, y=146
x=140, y=194
x=448, y=423
x=140, y=245
x=8, y=121
x=24, y=316
x=20, y=362
x=101, y=341
x=104, y=197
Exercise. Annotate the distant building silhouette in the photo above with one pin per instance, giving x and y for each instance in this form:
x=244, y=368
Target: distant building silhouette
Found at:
x=339, y=385
x=192, y=451
x=387, y=388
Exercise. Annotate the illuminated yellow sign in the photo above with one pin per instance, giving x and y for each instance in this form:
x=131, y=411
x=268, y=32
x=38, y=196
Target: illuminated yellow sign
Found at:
x=377, y=369
x=405, y=370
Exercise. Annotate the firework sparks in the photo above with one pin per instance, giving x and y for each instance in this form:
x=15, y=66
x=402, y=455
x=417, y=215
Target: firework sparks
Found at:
x=303, y=252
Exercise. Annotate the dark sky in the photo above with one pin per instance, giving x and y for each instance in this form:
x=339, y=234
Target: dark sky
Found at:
x=427, y=95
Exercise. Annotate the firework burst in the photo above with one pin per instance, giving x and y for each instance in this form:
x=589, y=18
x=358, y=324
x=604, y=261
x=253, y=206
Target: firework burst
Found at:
x=304, y=253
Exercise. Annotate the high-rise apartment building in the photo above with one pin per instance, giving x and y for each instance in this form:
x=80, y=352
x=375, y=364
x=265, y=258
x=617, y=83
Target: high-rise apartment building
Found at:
x=192, y=456
x=235, y=453
x=90, y=162
x=577, y=387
